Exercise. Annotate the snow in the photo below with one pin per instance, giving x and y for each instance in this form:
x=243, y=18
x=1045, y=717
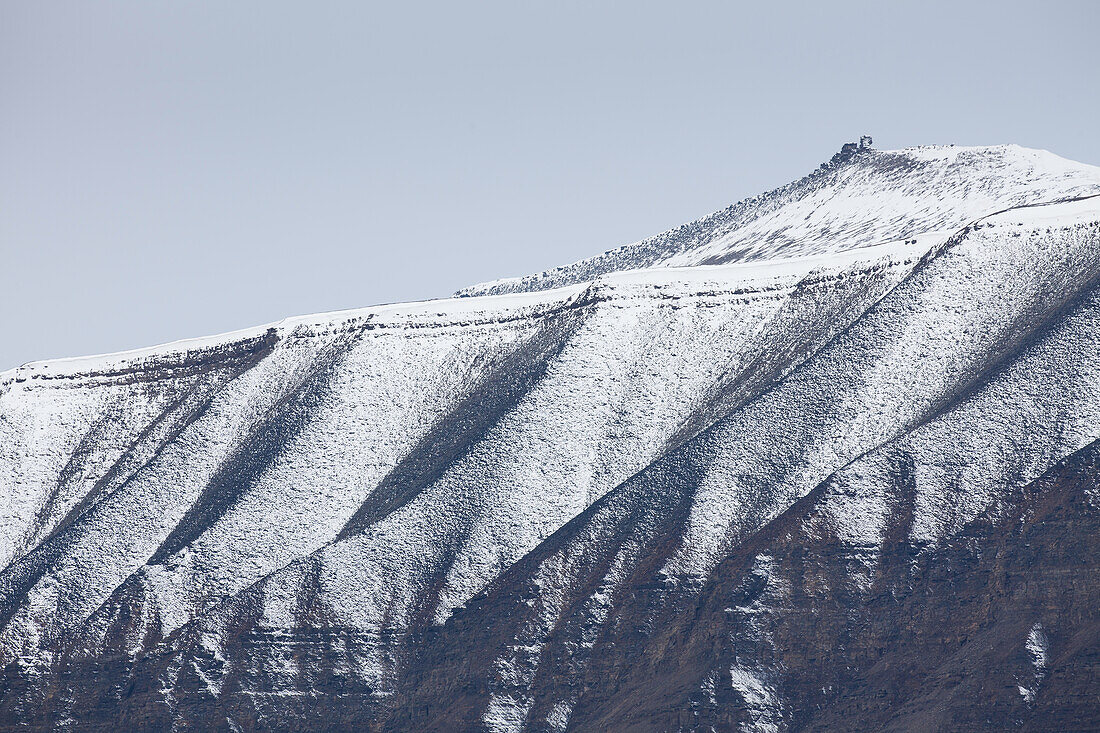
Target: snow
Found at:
x=760, y=699
x=893, y=367
x=1036, y=645
x=439, y=313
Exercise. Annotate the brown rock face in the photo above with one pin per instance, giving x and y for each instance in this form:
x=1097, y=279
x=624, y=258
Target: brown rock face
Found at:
x=996, y=629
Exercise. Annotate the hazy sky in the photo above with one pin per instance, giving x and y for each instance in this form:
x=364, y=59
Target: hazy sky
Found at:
x=175, y=169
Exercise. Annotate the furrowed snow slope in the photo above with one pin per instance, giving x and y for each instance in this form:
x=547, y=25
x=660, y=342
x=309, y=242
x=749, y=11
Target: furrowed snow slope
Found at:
x=482, y=512
x=968, y=380
x=422, y=450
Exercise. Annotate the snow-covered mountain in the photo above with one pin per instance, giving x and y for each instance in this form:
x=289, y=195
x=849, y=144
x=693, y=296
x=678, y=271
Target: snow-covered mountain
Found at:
x=824, y=458
x=859, y=198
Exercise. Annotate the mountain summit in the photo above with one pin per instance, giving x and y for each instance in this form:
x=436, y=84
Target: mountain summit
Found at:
x=861, y=197
x=825, y=459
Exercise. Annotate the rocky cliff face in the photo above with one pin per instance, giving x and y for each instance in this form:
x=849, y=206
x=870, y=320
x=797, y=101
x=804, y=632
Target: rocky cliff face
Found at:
x=829, y=462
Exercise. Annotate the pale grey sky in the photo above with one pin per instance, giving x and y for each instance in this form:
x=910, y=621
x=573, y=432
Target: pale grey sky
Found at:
x=176, y=169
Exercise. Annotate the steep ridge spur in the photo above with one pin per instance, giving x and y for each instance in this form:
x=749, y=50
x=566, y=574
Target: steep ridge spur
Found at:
x=509, y=512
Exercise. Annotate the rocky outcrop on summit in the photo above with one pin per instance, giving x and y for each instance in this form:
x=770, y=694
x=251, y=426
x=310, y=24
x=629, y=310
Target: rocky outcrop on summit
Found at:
x=854, y=488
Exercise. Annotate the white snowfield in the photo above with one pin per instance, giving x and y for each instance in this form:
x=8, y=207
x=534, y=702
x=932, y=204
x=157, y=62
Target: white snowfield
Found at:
x=374, y=470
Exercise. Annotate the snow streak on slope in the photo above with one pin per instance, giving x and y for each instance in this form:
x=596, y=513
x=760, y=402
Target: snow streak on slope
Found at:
x=861, y=197
x=483, y=512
